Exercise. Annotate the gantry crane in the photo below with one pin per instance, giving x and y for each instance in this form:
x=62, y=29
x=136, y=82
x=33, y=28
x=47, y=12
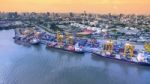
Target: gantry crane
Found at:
x=108, y=47
x=147, y=47
x=129, y=48
x=59, y=37
x=69, y=39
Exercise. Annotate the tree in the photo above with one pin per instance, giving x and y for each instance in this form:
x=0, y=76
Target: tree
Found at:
x=55, y=27
x=114, y=31
x=146, y=30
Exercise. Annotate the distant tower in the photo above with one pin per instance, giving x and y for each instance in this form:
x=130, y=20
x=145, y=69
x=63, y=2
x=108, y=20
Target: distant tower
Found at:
x=136, y=21
x=109, y=14
x=84, y=17
x=71, y=14
x=48, y=14
x=85, y=14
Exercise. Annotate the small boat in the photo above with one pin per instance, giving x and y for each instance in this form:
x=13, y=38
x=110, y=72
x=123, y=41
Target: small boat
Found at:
x=122, y=58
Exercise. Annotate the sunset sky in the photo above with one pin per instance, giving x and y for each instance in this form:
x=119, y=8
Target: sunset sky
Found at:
x=91, y=6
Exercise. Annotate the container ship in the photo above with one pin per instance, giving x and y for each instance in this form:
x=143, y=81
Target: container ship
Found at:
x=127, y=53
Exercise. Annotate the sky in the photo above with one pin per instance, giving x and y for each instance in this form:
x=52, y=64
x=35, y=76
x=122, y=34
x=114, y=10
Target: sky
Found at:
x=78, y=6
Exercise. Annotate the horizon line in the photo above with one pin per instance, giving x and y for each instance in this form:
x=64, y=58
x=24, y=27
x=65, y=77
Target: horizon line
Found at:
x=72, y=12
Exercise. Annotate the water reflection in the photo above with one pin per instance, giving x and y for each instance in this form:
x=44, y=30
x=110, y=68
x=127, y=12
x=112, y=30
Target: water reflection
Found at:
x=38, y=65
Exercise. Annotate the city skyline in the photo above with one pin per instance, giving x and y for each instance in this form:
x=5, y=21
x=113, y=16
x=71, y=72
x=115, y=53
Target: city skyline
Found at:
x=90, y=6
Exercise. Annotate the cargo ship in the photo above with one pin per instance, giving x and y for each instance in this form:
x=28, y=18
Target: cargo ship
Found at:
x=128, y=55
x=65, y=48
x=27, y=36
x=65, y=42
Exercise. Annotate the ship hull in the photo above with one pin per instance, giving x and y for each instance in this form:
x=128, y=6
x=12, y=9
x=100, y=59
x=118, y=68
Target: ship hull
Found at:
x=79, y=52
x=122, y=60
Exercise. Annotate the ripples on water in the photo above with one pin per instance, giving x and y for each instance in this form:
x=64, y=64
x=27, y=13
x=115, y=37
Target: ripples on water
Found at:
x=38, y=65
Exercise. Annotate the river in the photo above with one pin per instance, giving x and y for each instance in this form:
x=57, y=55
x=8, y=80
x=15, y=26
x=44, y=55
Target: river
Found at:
x=38, y=65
